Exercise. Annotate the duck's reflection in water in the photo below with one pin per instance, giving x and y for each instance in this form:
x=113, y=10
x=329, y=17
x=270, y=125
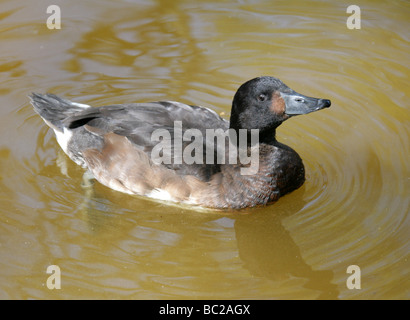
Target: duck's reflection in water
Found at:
x=269, y=251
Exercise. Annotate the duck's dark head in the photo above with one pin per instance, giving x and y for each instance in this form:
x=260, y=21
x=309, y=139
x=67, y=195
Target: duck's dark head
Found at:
x=264, y=103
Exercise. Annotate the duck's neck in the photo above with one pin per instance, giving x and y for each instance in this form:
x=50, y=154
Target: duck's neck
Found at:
x=267, y=136
x=267, y=129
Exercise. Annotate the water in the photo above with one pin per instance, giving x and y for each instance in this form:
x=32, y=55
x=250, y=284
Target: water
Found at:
x=352, y=210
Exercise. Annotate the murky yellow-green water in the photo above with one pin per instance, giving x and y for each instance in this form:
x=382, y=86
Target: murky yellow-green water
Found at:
x=352, y=210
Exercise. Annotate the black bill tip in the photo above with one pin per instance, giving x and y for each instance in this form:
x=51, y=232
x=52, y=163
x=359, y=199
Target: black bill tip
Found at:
x=324, y=103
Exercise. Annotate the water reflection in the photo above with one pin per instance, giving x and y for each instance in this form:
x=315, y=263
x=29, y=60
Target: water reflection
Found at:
x=110, y=56
x=268, y=250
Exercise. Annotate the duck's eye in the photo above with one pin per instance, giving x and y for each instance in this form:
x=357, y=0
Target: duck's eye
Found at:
x=301, y=100
x=262, y=97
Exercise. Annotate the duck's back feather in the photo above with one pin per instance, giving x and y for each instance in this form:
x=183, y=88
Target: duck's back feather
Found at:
x=137, y=122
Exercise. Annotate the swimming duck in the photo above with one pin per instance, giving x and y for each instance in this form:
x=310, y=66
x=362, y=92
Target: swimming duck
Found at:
x=118, y=144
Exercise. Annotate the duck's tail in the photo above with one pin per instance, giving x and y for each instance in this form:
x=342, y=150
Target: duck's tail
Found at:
x=54, y=109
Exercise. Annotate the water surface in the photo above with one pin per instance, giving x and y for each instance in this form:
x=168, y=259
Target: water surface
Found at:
x=352, y=210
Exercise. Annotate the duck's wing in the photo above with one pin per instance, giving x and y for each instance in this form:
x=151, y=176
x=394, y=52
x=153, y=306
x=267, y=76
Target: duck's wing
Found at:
x=163, y=113
x=146, y=125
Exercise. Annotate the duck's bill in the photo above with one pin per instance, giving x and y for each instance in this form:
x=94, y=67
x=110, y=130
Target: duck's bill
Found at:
x=299, y=104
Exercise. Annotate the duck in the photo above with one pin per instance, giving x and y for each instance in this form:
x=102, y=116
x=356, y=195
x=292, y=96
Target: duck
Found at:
x=161, y=149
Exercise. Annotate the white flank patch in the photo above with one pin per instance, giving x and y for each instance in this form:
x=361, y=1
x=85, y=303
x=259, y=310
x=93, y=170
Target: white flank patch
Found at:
x=81, y=105
x=160, y=194
x=63, y=138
